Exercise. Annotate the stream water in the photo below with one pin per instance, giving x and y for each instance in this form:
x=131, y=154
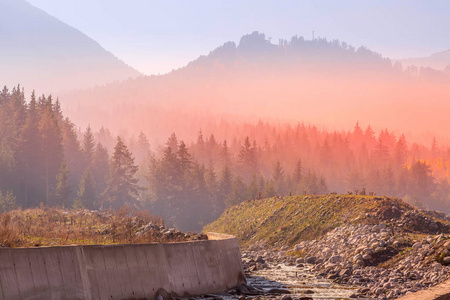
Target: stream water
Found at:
x=299, y=281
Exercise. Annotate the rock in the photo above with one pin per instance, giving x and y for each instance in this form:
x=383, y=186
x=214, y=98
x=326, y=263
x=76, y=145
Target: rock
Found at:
x=436, y=265
x=345, y=272
x=446, y=260
x=447, y=245
x=242, y=289
x=298, y=247
x=300, y=261
x=305, y=298
x=332, y=276
x=286, y=297
x=366, y=257
x=309, y=292
x=357, y=257
x=278, y=291
x=417, y=246
x=310, y=259
x=253, y=268
x=327, y=252
x=159, y=297
x=335, y=259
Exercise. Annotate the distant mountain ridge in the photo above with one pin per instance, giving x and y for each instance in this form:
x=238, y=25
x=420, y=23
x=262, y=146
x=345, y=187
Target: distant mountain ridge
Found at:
x=438, y=61
x=315, y=81
x=39, y=51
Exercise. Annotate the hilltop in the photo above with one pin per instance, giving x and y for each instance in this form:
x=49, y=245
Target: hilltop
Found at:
x=316, y=81
x=286, y=221
x=39, y=50
x=437, y=61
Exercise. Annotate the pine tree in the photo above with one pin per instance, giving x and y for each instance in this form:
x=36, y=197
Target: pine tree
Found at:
x=122, y=188
x=143, y=147
x=31, y=156
x=51, y=145
x=247, y=159
x=88, y=146
x=62, y=190
x=238, y=192
x=72, y=152
x=212, y=188
x=225, y=182
x=100, y=169
x=225, y=154
x=279, y=179
x=86, y=191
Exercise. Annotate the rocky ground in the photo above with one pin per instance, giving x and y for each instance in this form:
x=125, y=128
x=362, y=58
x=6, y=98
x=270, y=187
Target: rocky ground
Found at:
x=382, y=261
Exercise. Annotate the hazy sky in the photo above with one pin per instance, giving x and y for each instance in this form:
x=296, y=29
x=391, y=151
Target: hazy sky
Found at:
x=158, y=36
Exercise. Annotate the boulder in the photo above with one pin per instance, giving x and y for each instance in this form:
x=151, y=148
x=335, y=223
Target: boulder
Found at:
x=310, y=259
x=335, y=259
x=417, y=246
x=446, y=260
x=447, y=245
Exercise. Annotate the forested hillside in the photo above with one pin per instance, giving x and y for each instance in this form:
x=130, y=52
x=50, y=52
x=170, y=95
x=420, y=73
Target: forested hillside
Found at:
x=46, y=160
x=319, y=81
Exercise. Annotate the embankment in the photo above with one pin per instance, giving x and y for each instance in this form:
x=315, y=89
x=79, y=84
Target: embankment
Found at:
x=121, y=271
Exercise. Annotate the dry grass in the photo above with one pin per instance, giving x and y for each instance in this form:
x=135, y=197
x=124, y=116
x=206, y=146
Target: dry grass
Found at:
x=52, y=226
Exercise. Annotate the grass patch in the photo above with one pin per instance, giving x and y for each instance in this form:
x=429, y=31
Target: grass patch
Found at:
x=52, y=226
x=285, y=221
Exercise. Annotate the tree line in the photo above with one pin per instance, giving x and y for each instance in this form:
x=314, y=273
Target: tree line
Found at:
x=45, y=160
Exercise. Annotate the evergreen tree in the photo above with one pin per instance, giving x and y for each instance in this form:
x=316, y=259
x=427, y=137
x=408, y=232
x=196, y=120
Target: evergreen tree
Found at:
x=238, y=192
x=247, y=159
x=30, y=156
x=62, y=190
x=212, y=188
x=143, y=147
x=279, y=179
x=51, y=145
x=122, y=188
x=225, y=154
x=72, y=153
x=297, y=177
x=225, y=182
x=86, y=195
x=100, y=169
x=88, y=146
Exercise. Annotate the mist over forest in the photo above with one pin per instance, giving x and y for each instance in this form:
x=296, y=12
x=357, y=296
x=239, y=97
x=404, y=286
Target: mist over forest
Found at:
x=46, y=160
x=249, y=120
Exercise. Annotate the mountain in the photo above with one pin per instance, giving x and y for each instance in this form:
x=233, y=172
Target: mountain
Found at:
x=328, y=83
x=40, y=52
x=438, y=61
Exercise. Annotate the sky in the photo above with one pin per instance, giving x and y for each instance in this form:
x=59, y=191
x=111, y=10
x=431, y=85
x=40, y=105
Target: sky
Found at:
x=155, y=37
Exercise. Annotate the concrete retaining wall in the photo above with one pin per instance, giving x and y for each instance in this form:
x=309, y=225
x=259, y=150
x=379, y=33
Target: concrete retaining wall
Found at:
x=121, y=271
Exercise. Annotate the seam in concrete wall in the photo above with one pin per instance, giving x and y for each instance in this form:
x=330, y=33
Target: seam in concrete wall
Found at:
x=121, y=271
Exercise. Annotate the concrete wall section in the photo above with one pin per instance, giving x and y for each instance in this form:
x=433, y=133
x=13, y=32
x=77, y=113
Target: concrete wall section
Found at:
x=121, y=271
